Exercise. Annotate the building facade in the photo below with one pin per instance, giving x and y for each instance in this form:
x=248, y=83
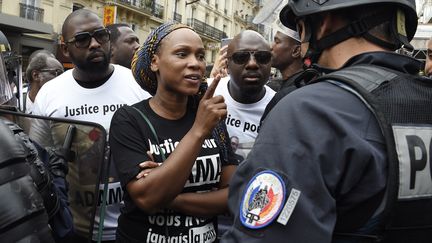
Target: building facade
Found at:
x=424, y=29
x=36, y=24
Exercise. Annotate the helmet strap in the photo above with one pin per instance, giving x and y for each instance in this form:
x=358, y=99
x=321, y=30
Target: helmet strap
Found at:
x=399, y=29
x=378, y=41
x=313, y=53
x=356, y=28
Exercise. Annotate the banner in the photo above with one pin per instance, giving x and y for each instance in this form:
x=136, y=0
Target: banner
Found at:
x=109, y=15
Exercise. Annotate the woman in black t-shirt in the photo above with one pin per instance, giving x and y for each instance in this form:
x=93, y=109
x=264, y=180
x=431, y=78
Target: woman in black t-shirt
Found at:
x=172, y=151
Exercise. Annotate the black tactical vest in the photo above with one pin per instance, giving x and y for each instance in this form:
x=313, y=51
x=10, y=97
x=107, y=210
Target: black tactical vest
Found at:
x=402, y=104
x=22, y=212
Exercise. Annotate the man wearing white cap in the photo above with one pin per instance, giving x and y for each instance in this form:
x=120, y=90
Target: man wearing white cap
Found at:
x=286, y=53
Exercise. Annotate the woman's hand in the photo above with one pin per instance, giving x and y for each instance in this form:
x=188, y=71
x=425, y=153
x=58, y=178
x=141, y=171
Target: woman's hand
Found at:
x=211, y=110
x=147, y=166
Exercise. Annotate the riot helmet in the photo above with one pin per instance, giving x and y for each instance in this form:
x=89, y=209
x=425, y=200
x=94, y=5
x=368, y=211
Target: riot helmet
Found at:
x=5, y=86
x=10, y=74
x=403, y=22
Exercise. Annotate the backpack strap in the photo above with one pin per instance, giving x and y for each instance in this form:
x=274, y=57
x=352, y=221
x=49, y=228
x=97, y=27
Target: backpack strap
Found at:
x=362, y=80
x=368, y=77
x=145, y=118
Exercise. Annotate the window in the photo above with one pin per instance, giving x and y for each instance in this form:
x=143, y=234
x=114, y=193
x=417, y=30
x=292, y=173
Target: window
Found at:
x=213, y=56
x=30, y=9
x=35, y=3
x=133, y=26
x=193, y=13
x=76, y=6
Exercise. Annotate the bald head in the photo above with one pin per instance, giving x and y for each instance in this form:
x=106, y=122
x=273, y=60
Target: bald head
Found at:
x=80, y=13
x=249, y=64
x=92, y=51
x=247, y=36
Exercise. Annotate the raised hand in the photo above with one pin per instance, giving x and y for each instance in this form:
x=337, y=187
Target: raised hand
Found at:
x=220, y=65
x=211, y=109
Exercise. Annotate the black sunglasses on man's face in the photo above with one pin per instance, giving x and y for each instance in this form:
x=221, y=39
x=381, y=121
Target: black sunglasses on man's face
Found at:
x=83, y=39
x=243, y=57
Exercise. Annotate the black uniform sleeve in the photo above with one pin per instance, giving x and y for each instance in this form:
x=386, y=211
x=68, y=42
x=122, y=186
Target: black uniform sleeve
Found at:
x=127, y=143
x=324, y=142
x=62, y=221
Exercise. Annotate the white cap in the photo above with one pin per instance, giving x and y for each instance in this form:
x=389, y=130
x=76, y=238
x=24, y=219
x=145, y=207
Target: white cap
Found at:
x=278, y=26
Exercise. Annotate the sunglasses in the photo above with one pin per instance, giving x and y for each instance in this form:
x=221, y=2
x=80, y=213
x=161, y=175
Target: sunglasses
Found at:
x=52, y=71
x=243, y=57
x=83, y=39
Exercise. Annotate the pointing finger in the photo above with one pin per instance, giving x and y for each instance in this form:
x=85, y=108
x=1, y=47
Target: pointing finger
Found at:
x=211, y=89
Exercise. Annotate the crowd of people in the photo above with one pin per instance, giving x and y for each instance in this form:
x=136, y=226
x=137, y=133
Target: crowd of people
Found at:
x=337, y=150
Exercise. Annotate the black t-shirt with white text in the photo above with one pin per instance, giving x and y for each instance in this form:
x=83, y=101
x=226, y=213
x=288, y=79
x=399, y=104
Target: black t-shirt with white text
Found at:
x=130, y=139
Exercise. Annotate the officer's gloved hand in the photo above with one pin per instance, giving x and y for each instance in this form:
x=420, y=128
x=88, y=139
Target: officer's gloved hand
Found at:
x=43, y=181
x=58, y=161
x=38, y=172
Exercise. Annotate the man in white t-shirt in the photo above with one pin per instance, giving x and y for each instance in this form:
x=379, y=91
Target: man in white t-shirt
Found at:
x=246, y=95
x=92, y=91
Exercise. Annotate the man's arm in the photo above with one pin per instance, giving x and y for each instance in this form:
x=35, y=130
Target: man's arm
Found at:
x=40, y=130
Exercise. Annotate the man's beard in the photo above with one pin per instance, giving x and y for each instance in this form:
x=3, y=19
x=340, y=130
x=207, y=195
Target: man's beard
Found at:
x=89, y=66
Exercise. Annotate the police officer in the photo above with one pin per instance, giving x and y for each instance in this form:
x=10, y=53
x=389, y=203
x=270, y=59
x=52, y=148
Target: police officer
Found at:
x=22, y=210
x=33, y=188
x=347, y=157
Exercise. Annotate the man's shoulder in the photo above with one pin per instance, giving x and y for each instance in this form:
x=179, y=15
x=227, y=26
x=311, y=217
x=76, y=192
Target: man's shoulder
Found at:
x=313, y=89
x=222, y=80
x=123, y=76
x=222, y=88
x=58, y=84
x=120, y=68
x=122, y=72
x=322, y=94
x=269, y=91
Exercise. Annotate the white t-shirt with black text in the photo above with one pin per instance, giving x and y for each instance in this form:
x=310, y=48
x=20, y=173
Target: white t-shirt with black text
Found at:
x=243, y=120
x=63, y=97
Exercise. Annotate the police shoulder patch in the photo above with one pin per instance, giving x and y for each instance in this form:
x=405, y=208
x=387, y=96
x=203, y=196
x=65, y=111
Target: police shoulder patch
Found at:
x=263, y=200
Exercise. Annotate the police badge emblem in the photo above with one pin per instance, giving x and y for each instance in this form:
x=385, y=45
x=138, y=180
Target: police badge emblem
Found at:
x=263, y=200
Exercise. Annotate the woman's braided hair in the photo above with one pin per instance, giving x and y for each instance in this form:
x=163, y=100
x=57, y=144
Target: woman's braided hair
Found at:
x=146, y=78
